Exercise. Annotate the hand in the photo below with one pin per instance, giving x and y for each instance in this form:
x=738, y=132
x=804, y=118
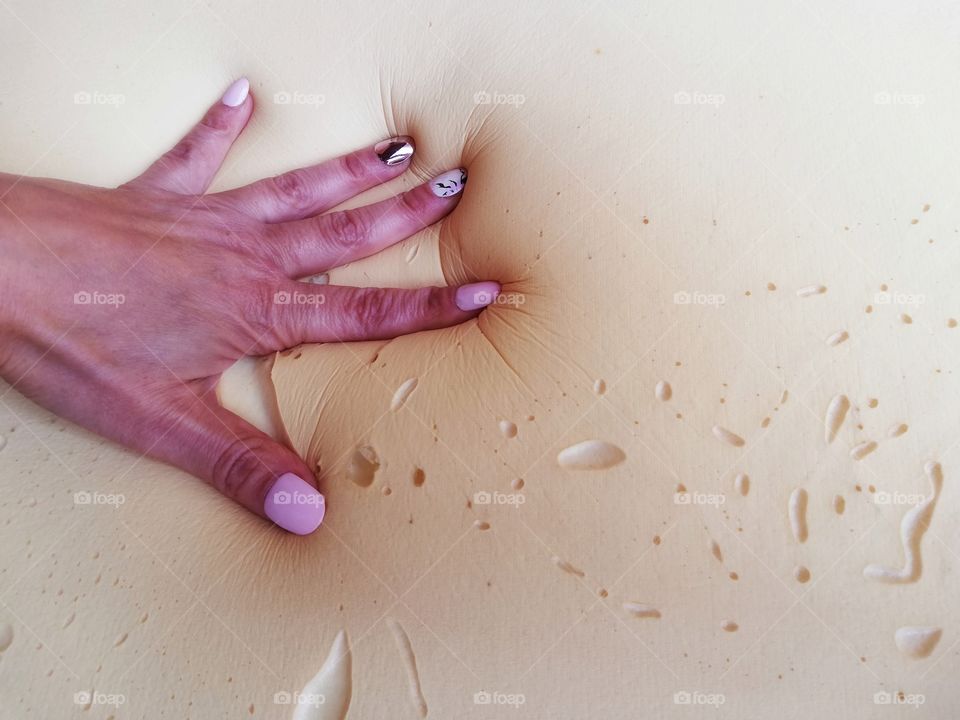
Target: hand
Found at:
x=120, y=308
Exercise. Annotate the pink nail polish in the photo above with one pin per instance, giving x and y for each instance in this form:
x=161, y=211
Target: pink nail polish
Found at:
x=477, y=295
x=236, y=93
x=294, y=504
x=449, y=183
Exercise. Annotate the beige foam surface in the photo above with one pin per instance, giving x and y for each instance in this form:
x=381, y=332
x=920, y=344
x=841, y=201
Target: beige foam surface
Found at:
x=753, y=205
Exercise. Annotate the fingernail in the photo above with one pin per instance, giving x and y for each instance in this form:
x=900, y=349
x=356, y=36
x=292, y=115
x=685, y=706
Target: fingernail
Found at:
x=394, y=150
x=450, y=183
x=295, y=505
x=477, y=295
x=236, y=93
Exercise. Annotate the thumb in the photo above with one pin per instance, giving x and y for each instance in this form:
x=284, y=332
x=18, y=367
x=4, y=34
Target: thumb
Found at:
x=246, y=465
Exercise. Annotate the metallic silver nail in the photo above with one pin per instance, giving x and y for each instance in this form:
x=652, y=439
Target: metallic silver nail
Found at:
x=395, y=150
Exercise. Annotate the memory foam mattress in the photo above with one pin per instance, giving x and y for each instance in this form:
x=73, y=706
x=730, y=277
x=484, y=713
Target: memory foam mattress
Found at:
x=700, y=455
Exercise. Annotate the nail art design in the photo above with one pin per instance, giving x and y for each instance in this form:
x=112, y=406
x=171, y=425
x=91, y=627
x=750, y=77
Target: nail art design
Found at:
x=450, y=183
x=395, y=150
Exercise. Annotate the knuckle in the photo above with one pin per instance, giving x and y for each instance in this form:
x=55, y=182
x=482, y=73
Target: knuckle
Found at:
x=414, y=206
x=353, y=168
x=347, y=228
x=433, y=302
x=270, y=316
x=238, y=465
x=183, y=151
x=216, y=122
x=292, y=190
x=372, y=308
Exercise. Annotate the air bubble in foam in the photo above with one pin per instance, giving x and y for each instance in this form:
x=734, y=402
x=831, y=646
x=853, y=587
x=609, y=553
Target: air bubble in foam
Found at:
x=590, y=455
x=567, y=567
x=410, y=665
x=811, y=290
x=917, y=642
x=863, y=449
x=797, y=509
x=837, y=337
x=402, y=393
x=724, y=435
x=663, y=391
x=836, y=412
x=364, y=464
x=508, y=429
x=897, y=430
x=715, y=550
x=334, y=683
x=742, y=483
x=641, y=610
x=912, y=527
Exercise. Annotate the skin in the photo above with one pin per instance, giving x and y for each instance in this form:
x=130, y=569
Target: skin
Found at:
x=199, y=275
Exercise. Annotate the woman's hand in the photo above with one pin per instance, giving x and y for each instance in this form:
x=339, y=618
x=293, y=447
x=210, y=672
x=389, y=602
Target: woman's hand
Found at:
x=120, y=308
